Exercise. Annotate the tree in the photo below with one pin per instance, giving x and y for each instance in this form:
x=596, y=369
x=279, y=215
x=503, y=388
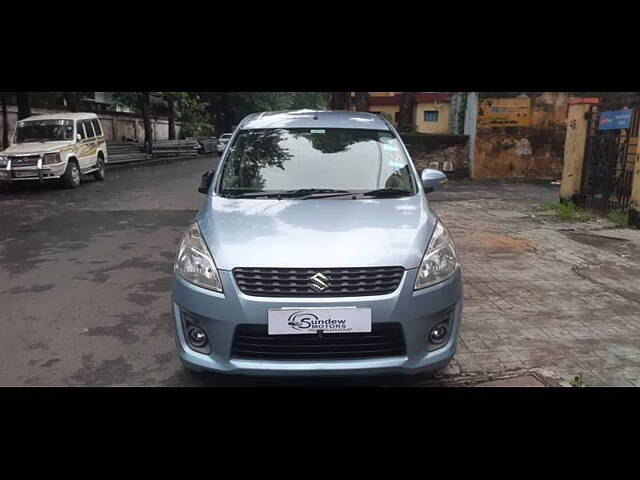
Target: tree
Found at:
x=145, y=108
x=171, y=116
x=362, y=101
x=73, y=100
x=194, y=117
x=24, y=105
x=312, y=100
x=407, y=101
x=338, y=100
x=5, y=122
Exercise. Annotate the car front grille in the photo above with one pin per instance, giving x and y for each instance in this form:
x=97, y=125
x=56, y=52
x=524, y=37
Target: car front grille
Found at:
x=297, y=282
x=25, y=161
x=254, y=342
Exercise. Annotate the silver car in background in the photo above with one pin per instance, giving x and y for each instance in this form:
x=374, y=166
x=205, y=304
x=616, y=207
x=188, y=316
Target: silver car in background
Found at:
x=316, y=253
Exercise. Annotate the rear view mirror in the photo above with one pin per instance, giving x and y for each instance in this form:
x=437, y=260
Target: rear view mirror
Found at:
x=432, y=179
x=78, y=137
x=207, y=178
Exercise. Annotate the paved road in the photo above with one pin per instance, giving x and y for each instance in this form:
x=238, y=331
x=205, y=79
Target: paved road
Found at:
x=85, y=275
x=85, y=279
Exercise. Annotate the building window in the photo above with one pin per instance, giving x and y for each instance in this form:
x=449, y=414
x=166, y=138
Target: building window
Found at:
x=431, y=115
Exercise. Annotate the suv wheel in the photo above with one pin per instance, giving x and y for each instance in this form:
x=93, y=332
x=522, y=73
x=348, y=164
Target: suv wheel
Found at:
x=71, y=177
x=99, y=174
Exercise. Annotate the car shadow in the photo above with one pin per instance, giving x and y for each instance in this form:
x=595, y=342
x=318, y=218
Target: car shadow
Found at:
x=21, y=189
x=210, y=379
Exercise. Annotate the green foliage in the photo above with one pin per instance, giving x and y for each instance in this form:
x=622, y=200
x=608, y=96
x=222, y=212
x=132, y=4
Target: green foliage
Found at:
x=229, y=108
x=194, y=117
x=577, y=381
x=128, y=100
x=621, y=219
x=311, y=100
x=568, y=211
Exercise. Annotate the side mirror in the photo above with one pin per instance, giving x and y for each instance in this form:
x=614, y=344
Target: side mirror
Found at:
x=207, y=178
x=432, y=179
x=78, y=137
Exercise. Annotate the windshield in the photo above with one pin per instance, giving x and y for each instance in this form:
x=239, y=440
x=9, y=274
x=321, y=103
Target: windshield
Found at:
x=44, y=131
x=281, y=160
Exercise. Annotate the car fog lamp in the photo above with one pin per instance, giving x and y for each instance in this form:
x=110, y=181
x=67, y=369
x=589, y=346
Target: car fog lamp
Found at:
x=438, y=333
x=197, y=337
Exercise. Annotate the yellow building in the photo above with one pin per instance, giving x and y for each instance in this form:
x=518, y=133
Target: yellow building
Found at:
x=430, y=111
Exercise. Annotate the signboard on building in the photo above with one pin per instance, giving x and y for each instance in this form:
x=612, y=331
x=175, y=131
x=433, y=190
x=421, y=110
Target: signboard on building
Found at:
x=504, y=112
x=584, y=100
x=615, y=120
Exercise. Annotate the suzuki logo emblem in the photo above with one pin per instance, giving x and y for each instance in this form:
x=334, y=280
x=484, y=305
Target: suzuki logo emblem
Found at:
x=319, y=283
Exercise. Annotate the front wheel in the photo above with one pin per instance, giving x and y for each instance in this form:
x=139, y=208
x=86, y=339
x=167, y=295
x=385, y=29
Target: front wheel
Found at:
x=71, y=177
x=99, y=174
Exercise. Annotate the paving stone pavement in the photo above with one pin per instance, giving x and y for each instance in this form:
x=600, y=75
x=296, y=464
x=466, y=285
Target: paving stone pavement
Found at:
x=541, y=295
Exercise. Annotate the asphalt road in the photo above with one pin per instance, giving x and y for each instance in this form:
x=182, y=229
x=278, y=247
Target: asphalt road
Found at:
x=85, y=281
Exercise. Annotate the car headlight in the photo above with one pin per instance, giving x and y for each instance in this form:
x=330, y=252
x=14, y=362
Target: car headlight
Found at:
x=50, y=158
x=440, y=261
x=4, y=161
x=195, y=263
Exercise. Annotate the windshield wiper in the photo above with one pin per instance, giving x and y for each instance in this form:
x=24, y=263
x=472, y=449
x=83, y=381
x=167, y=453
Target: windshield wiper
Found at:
x=304, y=193
x=388, y=192
x=301, y=193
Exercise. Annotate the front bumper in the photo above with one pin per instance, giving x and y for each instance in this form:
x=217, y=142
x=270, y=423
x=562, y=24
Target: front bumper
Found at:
x=417, y=313
x=37, y=172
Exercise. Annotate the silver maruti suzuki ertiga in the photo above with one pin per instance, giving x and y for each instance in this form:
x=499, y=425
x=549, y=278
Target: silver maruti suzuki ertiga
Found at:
x=316, y=252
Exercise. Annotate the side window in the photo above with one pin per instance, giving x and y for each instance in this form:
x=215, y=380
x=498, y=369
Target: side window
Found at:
x=431, y=115
x=89, y=129
x=68, y=130
x=96, y=127
x=80, y=129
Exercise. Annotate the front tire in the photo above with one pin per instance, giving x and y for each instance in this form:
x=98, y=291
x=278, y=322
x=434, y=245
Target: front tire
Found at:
x=71, y=177
x=100, y=173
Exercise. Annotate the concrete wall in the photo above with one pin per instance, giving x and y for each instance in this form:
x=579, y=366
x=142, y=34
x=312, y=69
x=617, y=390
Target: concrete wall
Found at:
x=449, y=153
x=533, y=152
x=470, y=124
x=574, y=149
x=441, y=126
x=115, y=126
x=390, y=110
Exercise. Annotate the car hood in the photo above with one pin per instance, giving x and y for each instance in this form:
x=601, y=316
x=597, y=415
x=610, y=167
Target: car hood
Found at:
x=34, y=148
x=316, y=232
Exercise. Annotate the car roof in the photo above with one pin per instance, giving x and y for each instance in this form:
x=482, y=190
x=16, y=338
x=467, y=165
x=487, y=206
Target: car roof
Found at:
x=62, y=116
x=314, y=118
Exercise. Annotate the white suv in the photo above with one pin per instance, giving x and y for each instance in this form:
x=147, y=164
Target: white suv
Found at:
x=55, y=147
x=222, y=142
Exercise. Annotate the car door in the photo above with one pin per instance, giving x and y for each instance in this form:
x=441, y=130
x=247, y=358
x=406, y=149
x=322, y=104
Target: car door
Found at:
x=100, y=138
x=89, y=147
x=81, y=146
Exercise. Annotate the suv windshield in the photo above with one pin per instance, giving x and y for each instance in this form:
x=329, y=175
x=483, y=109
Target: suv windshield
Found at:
x=338, y=159
x=44, y=131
